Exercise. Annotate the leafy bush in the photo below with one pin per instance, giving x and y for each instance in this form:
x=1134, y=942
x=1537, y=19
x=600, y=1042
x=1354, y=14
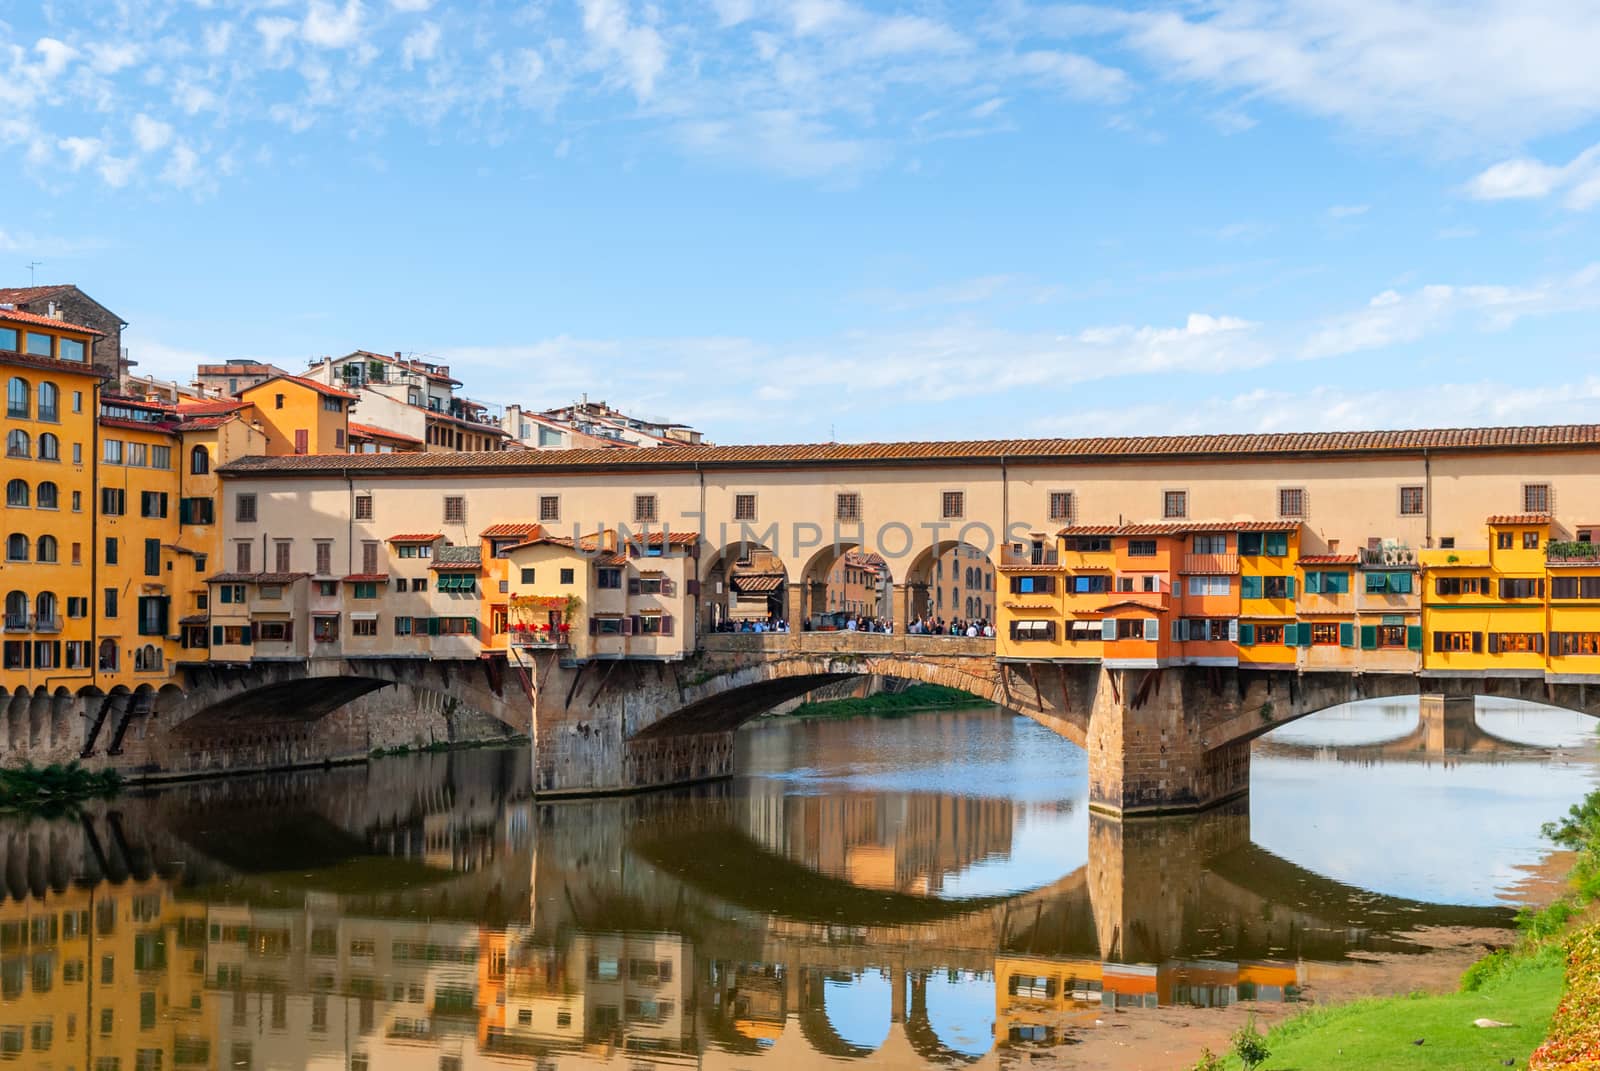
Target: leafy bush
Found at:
x=1209, y=1061
x=1249, y=1046
x=1574, y=1039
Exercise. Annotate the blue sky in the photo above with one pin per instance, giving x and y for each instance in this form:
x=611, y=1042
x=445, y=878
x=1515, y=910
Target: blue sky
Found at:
x=785, y=219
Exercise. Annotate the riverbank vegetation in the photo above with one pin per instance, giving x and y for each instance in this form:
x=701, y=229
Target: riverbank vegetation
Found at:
x=1510, y=1003
x=30, y=787
x=916, y=697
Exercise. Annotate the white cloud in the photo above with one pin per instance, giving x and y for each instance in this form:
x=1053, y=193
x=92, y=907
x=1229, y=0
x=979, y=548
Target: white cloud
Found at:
x=111, y=57
x=1076, y=75
x=81, y=151
x=216, y=38
x=183, y=167
x=54, y=56
x=275, y=34
x=411, y=5
x=420, y=44
x=151, y=135
x=639, y=48
x=1347, y=211
x=1524, y=178
x=328, y=26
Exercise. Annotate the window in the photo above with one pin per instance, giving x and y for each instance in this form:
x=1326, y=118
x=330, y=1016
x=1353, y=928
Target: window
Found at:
x=77, y=401
x=48, y=495
x=196, y=511
x=1447, y=642
x=953, y=505
x=549, y=508
x=325, y=628
x=1209, y=585
x=111, y=451
x=1209, y=544
x=1291, y=502
x=71, y=349
x=1031, y=631
x=1130, y=629
x=364, y=626
x=77, y=606
x=419, y=584
x=17, y=493
x=1325, y=634
x=1516, y=643
x=527, y=575
x=609, y=578
x=324, y=557
x=363, y=507
x=17, y=398
x=199, y=461
x=366, y=590
x=644, y=509
x=402, y=626
x=1574, y=587
x=1175, y=504
x=282, y=555
x=455, y=509
x=1061, y=506
x=49, y=402
x=744, y=507
x=1536, y=498
x=136, y=455
x=77, y=501
x=1389, y=583
x=567, y=576
x=277, y=401
x=1520, y=588
x=77, y=453
x=1530, y=540
x=111, y=602
x=1268, y=634
x=49, y=447
x=1575, y=643
x=1461, y=585
x=1141, y=548
x=1505, y=540
x=152, y=503
x=16, y=547
x=847, y=506
x=244, y=508
x=152, y=557
x=161, y=457
x=18, y=444
x=241, y=555
x=1033, y=585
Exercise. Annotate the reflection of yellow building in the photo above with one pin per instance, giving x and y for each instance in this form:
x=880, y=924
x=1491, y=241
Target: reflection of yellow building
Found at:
x=113, y=975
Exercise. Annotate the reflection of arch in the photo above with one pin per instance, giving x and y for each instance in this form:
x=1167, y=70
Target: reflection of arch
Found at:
x=818, y=1028
x=924, y=1036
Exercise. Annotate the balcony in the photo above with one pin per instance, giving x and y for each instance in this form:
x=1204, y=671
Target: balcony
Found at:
x=17, y=623
x=1566, y=552
x=539, y=641
x=1041, y=556
x=1393, y=555
x=1211, y=564
x=51, y=623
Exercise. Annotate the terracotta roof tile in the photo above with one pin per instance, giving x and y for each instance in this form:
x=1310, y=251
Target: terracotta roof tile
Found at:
x=366, y=578
x=757, y=583
x=1120, y=603
x=416, y=537
x=510, y=528
x=320, y=388
x=1177, y=528
x=20, y=317
x=194, y=619
x=372, y=431
x=255, y=578
x=209, y=406
x=1438, y=440
x=201, y=423
x=1329, y=559
x=1520, y=518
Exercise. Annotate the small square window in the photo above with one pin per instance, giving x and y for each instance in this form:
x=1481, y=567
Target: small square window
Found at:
x=1530, y=540
x=1175, y=504
x=744, y=507
x=1291, y=502
x=455, y=509
x=847, y=506
x=245, y=508
x=953, y=505
x=1447, y=542
x=1061, y=506
x=363, y=507
x=567, y=576
x=1412, y=501
x=1536, y=498
x=549, y=508
x=644, y=509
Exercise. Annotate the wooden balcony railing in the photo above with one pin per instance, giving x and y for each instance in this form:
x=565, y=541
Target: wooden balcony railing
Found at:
x=1211, y=564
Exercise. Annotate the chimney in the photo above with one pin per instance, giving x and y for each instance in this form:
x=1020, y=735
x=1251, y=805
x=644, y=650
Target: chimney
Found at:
x=397, y=355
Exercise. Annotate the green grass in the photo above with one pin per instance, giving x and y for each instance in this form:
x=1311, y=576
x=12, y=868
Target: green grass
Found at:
x=1380, y=1033
x=917, y=697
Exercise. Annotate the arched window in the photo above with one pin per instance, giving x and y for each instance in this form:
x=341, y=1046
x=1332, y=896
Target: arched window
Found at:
x=17, y=493
x=44, y=609
x=16, y=609
x=47, y=549
x=199, y=461
x=938, y=598
x=16, y=547
x=18, y=444
x=17, y=397
x=49, y=447
x=108, y=656
x=49, y=402
x=48, y=496
x=970, y=611
x=146, y=658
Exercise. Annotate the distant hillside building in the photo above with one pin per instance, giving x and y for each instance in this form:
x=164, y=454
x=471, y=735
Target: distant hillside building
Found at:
x=234, y=376
x=405, y=400
x=586, y=424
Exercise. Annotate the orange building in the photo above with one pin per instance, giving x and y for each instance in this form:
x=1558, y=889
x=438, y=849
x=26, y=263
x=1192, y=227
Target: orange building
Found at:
x=301, y=416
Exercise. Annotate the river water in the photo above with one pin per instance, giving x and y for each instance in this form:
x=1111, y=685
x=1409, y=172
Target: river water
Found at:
x=905, y=892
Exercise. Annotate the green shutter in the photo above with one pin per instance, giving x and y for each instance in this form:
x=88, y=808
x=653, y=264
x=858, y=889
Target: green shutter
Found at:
x=1377, y=583
x=1313, y=583
x=1369, y=637
x=1400, y=583
x=1247, y=635
x=216, y=635
x=433, y=626
x=1249, y=543
x=245, y=635
x=1250, y=587
x=1414, y=637
x=1303, y=634
x=1347, y=634
x=1277, y=544
x=1288, y=587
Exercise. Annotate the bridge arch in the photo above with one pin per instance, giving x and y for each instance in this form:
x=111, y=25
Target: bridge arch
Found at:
x=831, y=591
x=744, y=582
x=950, y=576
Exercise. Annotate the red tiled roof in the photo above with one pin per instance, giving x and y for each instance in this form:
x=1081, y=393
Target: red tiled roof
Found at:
x=320, y=388
x=1175, y=528
x=164, y=428
x=757, y=583
x=1329, y=559
x=366, y=578
x=1520, y=518
x=510, y=528
x=50, y=364
x=416, y=537
x=255, y=578
x=1120, y=603
x=371, y=431
x=18, y=316
x=541, y=540
x=456, y=567
x=22, y=295
x=209, y=406
x=1179, y=447
x=202, y=423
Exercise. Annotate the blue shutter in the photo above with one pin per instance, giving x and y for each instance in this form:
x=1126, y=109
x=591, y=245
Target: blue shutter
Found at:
x=1288, y=587
x=1313, y=583
x=1250, y=587
x=1247, y=635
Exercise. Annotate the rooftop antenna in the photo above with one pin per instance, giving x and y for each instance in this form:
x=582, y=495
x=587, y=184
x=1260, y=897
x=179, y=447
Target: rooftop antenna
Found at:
x=33, y=265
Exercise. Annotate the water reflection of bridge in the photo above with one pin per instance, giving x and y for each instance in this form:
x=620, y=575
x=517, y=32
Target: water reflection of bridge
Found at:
x=1446, y=731
x=435, y=914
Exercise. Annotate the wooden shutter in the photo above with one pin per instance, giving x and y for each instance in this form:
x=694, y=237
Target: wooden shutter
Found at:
x=1414, y=637
x=1369, y=637
x=668, y=587
x=630, y=625
x=288, y=632
x=301, y=440
x=246, y=635
x=691, y=588
x=216, y=635
x=666, y=624
x=369, y=558
x=1108, y=629
x=1477, y=643
x=1152, y=629
x=1347, y=634
x=1247, y=635
x=1288, y=587
x=1494, y=643
x=1233, y=630
x=594, y=626
x=633, y=585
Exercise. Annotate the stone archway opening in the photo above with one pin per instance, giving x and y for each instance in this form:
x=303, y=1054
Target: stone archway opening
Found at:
x=745, y=586
x=847, y=583
x=951, y=582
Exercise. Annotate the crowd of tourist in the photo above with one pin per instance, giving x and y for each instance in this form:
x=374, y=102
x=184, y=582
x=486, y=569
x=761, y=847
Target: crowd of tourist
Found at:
x=971, y=628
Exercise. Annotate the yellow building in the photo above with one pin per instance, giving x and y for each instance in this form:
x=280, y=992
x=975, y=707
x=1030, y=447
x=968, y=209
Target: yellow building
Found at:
x=1487, y=608
x=301, y=416
x=48, y=572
